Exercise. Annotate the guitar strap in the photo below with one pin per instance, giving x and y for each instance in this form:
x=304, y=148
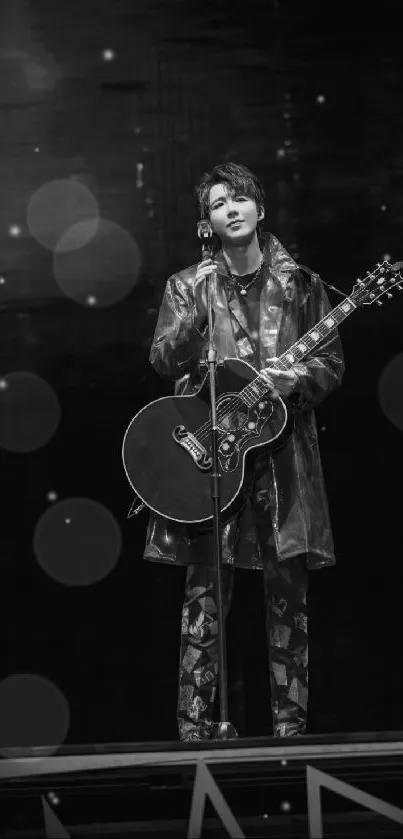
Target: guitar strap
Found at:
x=307, y=271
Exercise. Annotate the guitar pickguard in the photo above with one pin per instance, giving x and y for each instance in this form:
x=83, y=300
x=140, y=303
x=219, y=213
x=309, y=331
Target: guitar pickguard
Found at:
x=238, y=427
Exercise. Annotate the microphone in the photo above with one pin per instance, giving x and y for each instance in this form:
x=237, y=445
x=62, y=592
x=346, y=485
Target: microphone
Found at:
x=205, y=233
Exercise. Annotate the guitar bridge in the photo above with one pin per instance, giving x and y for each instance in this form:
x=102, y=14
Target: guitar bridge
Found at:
x=197, y=452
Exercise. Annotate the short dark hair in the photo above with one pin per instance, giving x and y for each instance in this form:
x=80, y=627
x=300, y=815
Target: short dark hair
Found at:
x=239, y=179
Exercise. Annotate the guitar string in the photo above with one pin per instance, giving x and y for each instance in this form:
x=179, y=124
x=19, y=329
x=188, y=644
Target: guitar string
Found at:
x=205, y=429
x=234, y=403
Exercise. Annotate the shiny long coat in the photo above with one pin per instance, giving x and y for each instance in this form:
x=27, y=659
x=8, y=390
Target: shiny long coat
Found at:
x=292, y=301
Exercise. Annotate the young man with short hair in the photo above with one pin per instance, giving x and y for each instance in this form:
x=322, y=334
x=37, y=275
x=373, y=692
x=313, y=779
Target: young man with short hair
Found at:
x=263, y=302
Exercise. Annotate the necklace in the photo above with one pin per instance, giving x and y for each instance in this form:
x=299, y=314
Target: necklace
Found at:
x=243, y=289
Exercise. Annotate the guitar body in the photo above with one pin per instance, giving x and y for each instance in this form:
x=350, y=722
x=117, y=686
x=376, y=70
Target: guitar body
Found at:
x=167, y=445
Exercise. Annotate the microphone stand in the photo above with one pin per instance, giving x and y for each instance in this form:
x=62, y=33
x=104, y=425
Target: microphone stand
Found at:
x=224, y=730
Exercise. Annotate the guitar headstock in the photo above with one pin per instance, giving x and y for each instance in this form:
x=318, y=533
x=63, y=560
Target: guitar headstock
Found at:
x=382, y=280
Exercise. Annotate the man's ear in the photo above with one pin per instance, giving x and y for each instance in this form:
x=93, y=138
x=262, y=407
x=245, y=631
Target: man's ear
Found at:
x=260, y=215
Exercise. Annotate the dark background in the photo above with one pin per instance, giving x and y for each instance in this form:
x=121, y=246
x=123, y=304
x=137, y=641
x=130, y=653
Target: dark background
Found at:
x=193, y=83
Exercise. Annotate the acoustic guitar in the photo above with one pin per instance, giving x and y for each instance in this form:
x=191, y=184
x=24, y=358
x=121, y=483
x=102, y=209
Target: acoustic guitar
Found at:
x=167, y=445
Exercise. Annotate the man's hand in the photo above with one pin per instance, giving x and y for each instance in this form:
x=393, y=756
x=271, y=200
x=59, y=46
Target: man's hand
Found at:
x=207, y=266
x=204, y=268
x=282, y=382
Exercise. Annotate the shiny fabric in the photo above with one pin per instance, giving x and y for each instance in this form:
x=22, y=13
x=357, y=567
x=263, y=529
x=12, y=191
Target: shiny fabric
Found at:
x=292, y=301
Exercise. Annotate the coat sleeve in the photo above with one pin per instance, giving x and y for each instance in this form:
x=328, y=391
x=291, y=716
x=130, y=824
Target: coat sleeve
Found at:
x=322, y=370
x=178, y=341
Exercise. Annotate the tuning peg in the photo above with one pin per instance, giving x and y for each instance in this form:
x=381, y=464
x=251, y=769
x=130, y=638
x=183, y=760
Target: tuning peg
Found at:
x=379, y=303
x=389, y=294
x=399, y=287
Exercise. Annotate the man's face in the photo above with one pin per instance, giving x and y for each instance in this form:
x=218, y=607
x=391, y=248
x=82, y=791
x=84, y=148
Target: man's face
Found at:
x=233, y=217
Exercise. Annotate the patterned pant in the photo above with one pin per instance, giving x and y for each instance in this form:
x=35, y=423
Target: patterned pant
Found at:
x=285, y=587
x=286, y=620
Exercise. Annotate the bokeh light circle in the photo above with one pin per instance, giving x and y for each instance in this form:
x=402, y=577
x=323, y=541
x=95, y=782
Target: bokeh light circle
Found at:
x=33, y=712
x=390, y=391
x=106, y=268
x=15, y=231
x=77, y=542
x=29, y=412
x=58, y=205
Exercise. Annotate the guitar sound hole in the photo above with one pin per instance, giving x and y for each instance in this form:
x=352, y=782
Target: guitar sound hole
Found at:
x=231, y=418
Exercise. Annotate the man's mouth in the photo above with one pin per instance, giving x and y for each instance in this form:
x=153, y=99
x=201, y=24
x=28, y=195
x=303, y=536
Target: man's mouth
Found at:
x=234, y=223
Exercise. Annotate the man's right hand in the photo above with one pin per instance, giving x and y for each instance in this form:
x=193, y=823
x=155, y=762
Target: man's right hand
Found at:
x=204, y=268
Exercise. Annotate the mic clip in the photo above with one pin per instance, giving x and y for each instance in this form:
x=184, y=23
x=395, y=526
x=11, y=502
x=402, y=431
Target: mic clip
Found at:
x=205, y=233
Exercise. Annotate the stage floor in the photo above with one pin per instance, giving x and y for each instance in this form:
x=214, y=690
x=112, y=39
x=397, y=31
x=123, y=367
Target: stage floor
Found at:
x=312, y=786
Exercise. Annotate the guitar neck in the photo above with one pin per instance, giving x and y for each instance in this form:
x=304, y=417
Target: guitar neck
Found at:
x=316, y=335
x=258, y=387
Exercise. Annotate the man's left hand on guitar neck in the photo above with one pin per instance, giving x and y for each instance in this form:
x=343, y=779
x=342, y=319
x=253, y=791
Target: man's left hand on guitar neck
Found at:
x=283, y=382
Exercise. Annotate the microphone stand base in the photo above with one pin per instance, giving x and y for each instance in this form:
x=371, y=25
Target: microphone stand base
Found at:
x=224, y=731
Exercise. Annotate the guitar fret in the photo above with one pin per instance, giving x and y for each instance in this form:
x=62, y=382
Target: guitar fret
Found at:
x=347, y=306
x=254, y=390
x=315, y=335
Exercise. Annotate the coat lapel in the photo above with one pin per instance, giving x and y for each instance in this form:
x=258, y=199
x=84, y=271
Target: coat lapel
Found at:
x=277, y=268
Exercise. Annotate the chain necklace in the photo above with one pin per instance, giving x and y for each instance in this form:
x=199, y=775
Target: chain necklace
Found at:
x=243, y=289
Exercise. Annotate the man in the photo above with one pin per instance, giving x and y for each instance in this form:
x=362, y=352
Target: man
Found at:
x=263, y=303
